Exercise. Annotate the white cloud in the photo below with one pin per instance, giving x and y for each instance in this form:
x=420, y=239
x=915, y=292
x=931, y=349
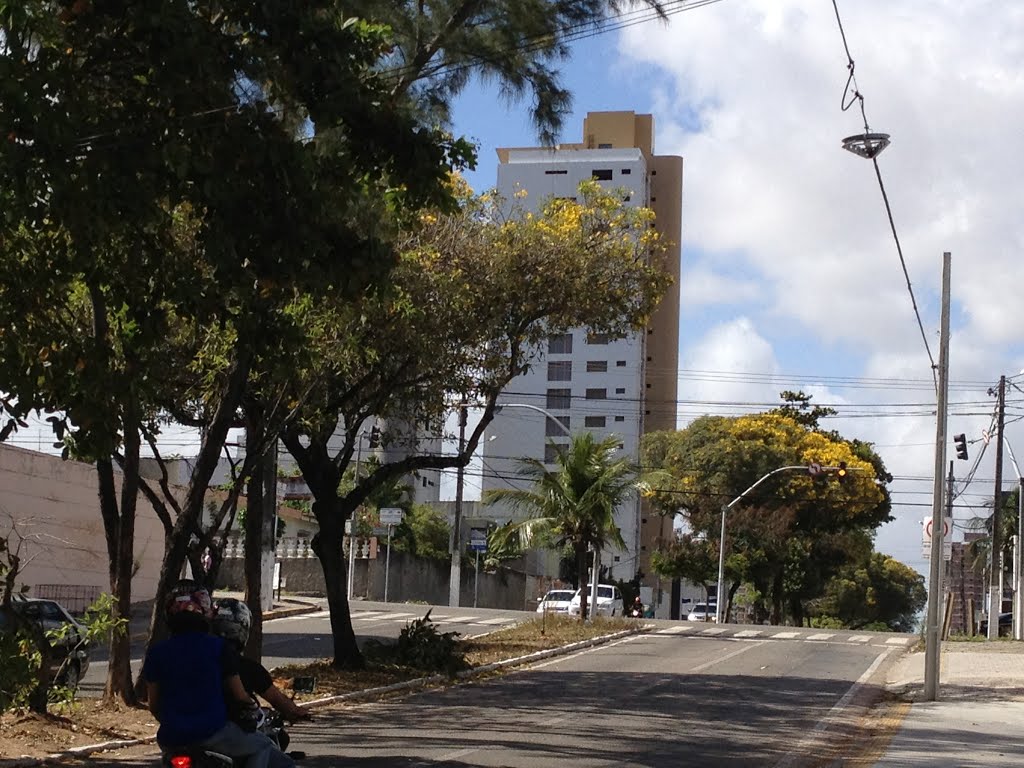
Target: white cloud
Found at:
x=772, y=200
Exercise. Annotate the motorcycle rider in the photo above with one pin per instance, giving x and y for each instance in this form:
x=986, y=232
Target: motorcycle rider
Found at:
x=637, y=610
x=232, y=621
x=192, y=677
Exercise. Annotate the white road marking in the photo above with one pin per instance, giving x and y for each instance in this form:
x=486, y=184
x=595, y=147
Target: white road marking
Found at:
x=859, y=638
x=713, y=631
x=386, y=617
x=802, y=749
x=785, y=635
x=898, y=640
x=821, y=636
x=499, y=620
x=742, y=649
x=676, y=630
x=462, y=619
x=749, y=633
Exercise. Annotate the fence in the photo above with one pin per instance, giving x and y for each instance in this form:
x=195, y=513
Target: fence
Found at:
x=73, y=597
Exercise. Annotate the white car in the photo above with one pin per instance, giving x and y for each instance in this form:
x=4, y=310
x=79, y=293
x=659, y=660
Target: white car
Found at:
x=609, y=600
x=555, y=601
x=703, y=612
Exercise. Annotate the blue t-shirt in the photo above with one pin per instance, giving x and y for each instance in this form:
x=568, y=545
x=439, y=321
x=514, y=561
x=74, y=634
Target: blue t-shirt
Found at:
x=190, y=669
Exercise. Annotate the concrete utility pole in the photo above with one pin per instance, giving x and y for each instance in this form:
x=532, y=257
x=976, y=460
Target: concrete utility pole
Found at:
x=931, y=629
x=995, y=592
x=1018, y=575
x=455, y=539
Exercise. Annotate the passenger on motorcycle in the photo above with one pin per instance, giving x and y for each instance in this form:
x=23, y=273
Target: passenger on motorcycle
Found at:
x=232, y=620
x=190, y=679
x=637, y=610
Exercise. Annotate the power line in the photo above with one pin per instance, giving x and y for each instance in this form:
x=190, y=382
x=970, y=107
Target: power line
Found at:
x=868, y=138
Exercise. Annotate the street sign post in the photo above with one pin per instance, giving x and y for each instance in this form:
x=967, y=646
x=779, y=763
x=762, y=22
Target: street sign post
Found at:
x=389, y=516
x=477, y=544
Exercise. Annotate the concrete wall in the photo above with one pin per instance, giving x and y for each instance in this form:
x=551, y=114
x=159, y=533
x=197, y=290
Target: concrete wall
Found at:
x=410, y=579
x=54, y=506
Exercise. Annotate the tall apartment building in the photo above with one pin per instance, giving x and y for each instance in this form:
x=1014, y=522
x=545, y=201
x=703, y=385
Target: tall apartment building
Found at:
x=625, y=387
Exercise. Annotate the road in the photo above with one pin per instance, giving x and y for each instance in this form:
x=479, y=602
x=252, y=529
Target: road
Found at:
x=306, y=637
x=682, y=695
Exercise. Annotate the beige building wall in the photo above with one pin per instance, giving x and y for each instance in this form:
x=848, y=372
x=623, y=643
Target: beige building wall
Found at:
x=54, y=507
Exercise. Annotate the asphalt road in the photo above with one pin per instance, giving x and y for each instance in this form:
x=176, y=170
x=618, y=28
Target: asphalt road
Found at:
x=681, y=695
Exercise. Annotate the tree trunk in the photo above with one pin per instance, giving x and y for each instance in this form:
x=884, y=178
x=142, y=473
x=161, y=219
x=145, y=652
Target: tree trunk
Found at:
x=733, y=588
x=777, y=599
x=328, y=546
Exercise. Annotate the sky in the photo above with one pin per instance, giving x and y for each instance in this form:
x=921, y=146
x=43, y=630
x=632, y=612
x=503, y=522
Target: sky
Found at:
x=791, y=277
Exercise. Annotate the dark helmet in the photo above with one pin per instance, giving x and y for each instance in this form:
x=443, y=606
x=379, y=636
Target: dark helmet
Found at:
x=232, y=620
x=188, y=607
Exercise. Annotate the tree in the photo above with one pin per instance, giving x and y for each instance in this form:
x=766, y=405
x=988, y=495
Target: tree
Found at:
x=574, y=503
x=474, y=297
x=687, y=557
x=134, y=123
x=778, y=534
x=874, y=590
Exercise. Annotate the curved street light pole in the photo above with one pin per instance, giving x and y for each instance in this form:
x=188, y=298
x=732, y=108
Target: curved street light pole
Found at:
x=538, y=409
x=720, y=601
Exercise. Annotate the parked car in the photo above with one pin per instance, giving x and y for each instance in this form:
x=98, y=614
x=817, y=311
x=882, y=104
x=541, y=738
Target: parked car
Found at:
x=609, y=600
x=703, y=612
x=70, y=651
x=555, y=601
x=1005, y=625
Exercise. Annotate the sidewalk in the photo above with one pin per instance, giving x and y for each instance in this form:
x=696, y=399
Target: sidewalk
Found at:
x=978, y=719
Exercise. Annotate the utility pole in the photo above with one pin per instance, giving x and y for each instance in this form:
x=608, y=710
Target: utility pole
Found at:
x=931, y=629
x=995, y=592
x=455, y=539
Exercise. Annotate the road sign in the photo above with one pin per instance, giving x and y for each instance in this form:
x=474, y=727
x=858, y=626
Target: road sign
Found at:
x=391, y=516
x=814, y=469
x=477, y=539
x=947, y=538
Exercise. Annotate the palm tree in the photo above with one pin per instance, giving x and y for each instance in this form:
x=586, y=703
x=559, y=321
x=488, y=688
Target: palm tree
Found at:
x=572, y=504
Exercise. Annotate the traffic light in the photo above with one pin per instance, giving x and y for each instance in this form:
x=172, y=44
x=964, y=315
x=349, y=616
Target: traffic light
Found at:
x=841, y=471
x=960, y=441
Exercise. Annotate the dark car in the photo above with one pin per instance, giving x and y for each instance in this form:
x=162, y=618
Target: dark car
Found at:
x=1005, y=625
x=70, y=651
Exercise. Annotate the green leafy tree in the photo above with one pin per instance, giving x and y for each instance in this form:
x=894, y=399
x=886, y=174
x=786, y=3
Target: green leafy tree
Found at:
x=474, y=297
x=424, y=533
x=160, y=207
x=573, y=504
x=876, y=590
x=777, y=533
x=688, y=557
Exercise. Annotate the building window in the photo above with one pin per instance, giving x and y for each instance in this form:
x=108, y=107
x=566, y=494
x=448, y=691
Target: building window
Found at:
x=620, y=390
x=626, y=171
x=604, y=146
x=597, y=394
x=594, y=421
x=617, y=557
x=551, y=428
x=597, y=338
x=621, y=363
x=560, y=370
x=553, y=172
x=559, y=398
x=620, y=418
x=654, y=173
x=560, y=344
x=597, y=366
x=602, y=174
x=552, y=452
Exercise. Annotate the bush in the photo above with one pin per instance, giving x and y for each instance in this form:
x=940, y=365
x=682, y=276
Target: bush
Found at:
x=421, y=646
x=19, y=667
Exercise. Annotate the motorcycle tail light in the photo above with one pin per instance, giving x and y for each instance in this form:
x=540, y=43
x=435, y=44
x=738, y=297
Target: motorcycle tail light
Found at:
x=181, y=761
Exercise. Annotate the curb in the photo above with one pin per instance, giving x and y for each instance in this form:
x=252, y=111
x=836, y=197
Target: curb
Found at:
x=369, y=693
x=276, y=613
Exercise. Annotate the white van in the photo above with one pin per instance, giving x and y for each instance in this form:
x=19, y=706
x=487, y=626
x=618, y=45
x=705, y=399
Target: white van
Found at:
x=609, y=600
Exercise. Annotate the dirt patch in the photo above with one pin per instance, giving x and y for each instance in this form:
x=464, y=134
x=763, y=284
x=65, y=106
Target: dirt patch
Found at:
x=26, y=734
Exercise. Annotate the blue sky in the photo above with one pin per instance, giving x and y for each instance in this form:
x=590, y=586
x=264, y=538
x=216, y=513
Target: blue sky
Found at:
x=790, y=275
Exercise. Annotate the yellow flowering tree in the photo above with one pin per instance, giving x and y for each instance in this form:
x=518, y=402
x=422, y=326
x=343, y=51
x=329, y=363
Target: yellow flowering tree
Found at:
x=472, y=299
x=787, y=537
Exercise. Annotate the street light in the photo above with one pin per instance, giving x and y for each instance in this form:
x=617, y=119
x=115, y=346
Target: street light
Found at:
x=814, y=469
x=538, y=409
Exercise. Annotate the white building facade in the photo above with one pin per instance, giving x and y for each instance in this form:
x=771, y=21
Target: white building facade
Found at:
x=622, y=387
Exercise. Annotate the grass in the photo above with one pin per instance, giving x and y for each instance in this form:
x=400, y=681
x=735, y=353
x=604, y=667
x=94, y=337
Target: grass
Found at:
x=513, y=642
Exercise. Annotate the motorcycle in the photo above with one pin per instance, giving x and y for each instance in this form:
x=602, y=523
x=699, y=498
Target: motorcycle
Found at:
x=267, y=721
x=636, y=612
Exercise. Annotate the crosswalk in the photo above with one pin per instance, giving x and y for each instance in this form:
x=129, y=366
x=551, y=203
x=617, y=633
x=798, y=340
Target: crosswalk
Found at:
x=773, y=633
x=403, y=617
